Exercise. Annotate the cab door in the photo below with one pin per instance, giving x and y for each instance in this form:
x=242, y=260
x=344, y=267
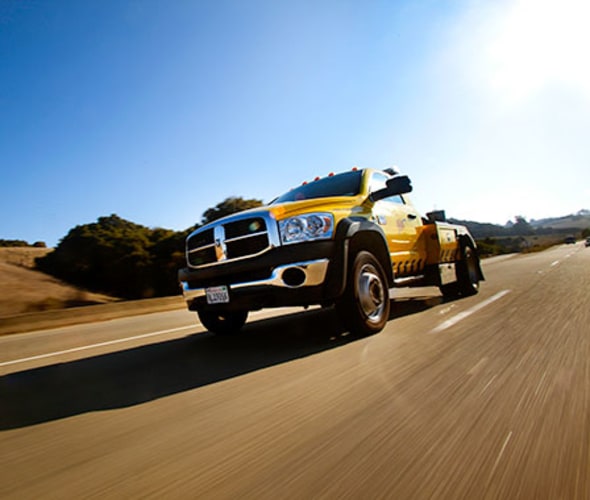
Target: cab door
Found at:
x=403, y=228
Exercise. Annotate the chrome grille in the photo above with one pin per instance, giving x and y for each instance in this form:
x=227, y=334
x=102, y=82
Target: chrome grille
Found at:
x=232, y=238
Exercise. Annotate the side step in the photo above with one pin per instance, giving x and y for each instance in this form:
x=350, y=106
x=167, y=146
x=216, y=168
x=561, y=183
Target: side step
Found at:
x=409, y=281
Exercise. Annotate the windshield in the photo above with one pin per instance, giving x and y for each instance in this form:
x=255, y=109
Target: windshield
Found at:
x=346, y=184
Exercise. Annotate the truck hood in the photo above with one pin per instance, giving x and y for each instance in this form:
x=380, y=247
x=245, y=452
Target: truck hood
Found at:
x=340, y=206
x=340, y=203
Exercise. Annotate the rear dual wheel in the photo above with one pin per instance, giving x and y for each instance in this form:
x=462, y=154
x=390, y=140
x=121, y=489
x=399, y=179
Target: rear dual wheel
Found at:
x=467, y=272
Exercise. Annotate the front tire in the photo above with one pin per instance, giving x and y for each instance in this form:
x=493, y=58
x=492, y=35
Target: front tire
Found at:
x=223, y=322
x=365, y=305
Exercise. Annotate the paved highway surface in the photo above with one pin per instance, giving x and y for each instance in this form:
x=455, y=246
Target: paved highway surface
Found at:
x=483, y=397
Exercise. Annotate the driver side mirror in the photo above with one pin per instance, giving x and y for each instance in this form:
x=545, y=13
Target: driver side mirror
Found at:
x=400, y=184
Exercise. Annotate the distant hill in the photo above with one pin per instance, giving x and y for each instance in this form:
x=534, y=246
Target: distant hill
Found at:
x=554, y=225
x=481, y=230
x=580, y=220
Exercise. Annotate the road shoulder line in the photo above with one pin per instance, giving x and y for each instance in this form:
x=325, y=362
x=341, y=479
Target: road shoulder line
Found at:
x=94, y=346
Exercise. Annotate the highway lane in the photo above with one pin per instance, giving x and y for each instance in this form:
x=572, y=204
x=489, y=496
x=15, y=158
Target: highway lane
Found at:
x=484, y=397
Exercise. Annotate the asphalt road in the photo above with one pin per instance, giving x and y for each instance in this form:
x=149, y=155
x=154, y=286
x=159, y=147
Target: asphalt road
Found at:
x=483, y=397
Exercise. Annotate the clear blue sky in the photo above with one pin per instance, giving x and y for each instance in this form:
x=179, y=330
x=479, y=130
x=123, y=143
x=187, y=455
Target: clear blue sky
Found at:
x=157, y=110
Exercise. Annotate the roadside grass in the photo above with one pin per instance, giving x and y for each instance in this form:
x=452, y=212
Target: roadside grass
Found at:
x=30, y=299
x=25, y=290
x=22, y=256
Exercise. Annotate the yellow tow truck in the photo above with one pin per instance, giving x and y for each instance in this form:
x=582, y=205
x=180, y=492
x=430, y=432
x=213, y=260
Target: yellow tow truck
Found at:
x=341, y=240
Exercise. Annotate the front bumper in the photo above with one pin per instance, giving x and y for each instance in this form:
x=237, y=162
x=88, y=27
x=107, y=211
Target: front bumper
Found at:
x=288, y=276
x=313, y=273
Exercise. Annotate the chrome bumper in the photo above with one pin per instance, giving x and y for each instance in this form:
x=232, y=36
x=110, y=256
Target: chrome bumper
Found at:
x=314, y=273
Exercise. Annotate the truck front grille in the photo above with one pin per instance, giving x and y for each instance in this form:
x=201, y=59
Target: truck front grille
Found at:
x=229, y=240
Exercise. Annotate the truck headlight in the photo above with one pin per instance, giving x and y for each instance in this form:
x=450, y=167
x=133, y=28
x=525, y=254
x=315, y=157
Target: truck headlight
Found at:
x=307, y=227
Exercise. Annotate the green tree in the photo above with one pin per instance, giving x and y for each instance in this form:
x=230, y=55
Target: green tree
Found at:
x=13, y=243
x=167, y=254
x=229, y=206
x=521, y=227
x=111, y=256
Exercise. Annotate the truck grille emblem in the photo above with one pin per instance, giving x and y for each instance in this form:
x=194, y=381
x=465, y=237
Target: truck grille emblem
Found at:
x=220, y=246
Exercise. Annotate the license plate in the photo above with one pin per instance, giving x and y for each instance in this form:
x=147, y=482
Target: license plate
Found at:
x=217, y=295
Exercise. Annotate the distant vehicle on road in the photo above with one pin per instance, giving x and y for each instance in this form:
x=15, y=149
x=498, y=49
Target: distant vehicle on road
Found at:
x=570, y=240
x=587, y=241
x=341, y=240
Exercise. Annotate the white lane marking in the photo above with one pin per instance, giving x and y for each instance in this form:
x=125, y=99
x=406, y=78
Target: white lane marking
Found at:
x=488, y=384
x=447, y=309
x=461, y=316
x=554, y=263
x=478, y=366
x=93, y=346
x=500, y=454
x=540, y=383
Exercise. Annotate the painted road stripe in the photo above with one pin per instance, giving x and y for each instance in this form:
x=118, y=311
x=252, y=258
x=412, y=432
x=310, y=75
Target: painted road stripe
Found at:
x=461, y=316
x=500, y=454
x=94, y=346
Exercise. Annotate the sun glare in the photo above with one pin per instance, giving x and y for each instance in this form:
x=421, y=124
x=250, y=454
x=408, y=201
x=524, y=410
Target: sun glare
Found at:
x=536, y=44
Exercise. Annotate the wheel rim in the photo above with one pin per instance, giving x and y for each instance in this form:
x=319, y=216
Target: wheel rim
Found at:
x=371, y=293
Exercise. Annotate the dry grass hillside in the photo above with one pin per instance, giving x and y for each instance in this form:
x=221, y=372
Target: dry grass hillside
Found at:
x=24, y=290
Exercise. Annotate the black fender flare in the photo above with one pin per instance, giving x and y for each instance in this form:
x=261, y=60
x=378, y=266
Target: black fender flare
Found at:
x=362, y=234
x=466, y=240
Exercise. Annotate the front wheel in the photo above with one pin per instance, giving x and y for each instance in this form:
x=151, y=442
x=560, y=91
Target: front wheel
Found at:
x=223, y=322
x=364, y=307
